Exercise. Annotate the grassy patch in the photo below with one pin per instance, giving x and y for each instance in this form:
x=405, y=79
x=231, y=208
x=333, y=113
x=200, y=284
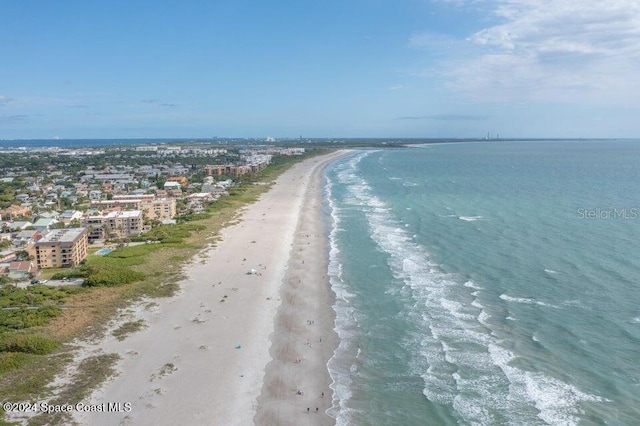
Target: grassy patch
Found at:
x=166, y=369
x=48, y=273
x=91, y=373
x=30, y=375
x=28, y=344
x=104, y=276
x=35, y=295
x=10, y=361
x=127, y=328
x=22, y=318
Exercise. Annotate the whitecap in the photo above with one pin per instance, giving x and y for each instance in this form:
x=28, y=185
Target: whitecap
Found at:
x=470, y=218
x=344, y=359
x=557, y=401
x=471, y=284
x=460, y=360
x=526, y=301
x=483, y=318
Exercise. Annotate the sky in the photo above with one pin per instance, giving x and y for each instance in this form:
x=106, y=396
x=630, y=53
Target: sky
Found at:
x=330, y=68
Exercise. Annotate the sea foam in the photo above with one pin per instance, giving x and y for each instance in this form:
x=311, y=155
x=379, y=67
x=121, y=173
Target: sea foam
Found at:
x=461, y=362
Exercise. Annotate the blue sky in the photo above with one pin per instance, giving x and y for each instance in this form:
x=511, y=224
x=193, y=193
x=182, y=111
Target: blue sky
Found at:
x=331, y=68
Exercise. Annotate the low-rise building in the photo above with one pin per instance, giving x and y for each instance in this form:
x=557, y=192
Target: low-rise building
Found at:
x=62, y=248
x=19, y=225
x=182, y=180
x=69, y=216
x=26, y=236
x=7, y=255
x=22, y=270
x=13, y=212
x=43, y=224
x=169, y=185
x=215, y=190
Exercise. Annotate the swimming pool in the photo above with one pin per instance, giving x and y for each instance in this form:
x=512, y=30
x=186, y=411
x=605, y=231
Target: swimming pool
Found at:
x=103, y=251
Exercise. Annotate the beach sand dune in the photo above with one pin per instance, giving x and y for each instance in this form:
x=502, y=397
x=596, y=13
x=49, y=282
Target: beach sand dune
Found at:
x=202, y=357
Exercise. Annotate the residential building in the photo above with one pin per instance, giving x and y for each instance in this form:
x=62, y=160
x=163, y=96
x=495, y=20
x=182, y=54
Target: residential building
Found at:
x=26, y=236
x=7, y=255
x=113, y=225
x=19, y=225
x=22, y=270
x=171, y=185
x=215, y=190
x=226, y=170
x=62, y=248
x=43, y=224
x=69, y=216
x=182, y=180
x=142, y=197
x=13, y=212
x=160, y=209
x=133, y=204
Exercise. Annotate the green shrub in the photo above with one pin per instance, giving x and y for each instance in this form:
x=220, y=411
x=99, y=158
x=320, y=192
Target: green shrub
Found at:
x=12, y=361
x=80, y=272
x=35, y=295
x=111, y=277
x=24, y=318
x=28, y=344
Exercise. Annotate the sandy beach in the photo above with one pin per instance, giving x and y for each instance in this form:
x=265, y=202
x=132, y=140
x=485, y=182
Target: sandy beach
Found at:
x=234, y=347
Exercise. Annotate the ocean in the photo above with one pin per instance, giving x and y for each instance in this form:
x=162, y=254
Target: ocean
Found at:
x=90, y=143
x=486, y=284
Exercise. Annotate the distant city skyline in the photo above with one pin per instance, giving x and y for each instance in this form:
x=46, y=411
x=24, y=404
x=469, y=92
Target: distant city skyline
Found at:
x=363, y=68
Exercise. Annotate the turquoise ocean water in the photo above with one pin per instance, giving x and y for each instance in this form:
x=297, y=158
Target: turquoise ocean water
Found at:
x=487, y=283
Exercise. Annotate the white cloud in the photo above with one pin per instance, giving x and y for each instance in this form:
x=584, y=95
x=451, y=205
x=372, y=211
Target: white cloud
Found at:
x=552, y=50
x=5, y=100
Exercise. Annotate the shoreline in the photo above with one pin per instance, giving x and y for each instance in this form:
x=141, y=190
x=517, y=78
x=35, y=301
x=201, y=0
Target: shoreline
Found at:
x=296, y=387
x=201, y=355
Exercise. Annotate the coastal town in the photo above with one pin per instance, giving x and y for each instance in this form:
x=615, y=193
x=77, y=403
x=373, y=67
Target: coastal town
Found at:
x=60, y=205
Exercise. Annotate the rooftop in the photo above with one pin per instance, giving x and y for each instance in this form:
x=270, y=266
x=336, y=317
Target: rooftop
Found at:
x=67, y=235
x=125, y=213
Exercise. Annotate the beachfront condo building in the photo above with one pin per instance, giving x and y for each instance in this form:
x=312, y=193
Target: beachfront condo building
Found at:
x=114, y=225
x=62, y=248
x=159, y=209
x=232, y=170
x=153, y=208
